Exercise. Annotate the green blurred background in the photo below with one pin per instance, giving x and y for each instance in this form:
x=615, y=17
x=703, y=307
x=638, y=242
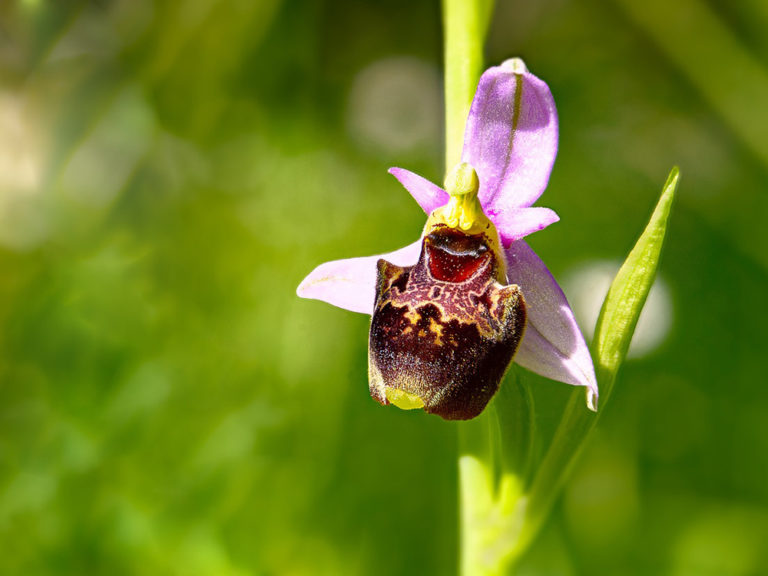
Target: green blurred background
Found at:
x=169, y=172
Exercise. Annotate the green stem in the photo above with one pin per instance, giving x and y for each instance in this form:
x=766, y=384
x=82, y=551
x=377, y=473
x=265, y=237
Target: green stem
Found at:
x=465, y=23
x=494, y=462
x=476, y=489
x=491, y=481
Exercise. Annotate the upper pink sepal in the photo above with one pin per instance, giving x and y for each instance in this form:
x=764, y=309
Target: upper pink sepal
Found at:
x=511, y=136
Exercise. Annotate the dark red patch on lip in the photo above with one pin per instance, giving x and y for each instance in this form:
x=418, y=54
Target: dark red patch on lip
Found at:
x=453, y=256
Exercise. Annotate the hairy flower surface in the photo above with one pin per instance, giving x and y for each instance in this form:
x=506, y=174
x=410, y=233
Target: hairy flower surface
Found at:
x=450, y=311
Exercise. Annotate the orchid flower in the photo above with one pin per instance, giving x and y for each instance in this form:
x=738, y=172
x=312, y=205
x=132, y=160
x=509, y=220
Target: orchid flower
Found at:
x=451, y=310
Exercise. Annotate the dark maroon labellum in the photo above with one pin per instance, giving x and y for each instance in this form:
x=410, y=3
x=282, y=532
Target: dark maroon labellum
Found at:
x=444, y=331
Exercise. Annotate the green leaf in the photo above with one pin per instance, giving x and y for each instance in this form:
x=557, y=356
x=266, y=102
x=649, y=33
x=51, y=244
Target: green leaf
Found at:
x=615, y=326
x=628, y=292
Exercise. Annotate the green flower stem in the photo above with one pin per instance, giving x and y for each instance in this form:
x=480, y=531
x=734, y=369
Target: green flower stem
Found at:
x=613, y=335
x=476, y=488
x=491, y=481
x=494, y=465
x=465, y=23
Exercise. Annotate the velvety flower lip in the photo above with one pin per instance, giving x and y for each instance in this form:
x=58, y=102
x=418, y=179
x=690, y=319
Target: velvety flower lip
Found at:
x=511, y=142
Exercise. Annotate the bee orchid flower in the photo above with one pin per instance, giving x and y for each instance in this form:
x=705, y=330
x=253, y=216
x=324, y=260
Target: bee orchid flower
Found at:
x=451, y=310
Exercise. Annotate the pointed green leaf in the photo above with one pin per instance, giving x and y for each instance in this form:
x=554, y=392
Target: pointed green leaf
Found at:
x=628, y=292
x=615, y=326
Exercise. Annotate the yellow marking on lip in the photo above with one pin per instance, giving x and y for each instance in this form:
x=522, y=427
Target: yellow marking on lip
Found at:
x=412, y=316
x=437, y=329
x=402, y=399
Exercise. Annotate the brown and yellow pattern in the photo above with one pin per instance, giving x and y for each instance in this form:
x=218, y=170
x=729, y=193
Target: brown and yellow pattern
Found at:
x=445, y=330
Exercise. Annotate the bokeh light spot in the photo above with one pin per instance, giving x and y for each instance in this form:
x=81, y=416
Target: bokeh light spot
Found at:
x=586, y=288
x=395, y=105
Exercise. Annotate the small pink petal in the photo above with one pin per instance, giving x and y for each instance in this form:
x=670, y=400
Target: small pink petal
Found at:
x=516, y=224
x=429, y=196
x=351, y=283
x=553, y=345
x=511, y=136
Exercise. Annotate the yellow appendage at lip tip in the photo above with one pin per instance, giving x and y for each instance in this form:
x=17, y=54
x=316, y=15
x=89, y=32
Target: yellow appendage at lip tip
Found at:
x=403, y=400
